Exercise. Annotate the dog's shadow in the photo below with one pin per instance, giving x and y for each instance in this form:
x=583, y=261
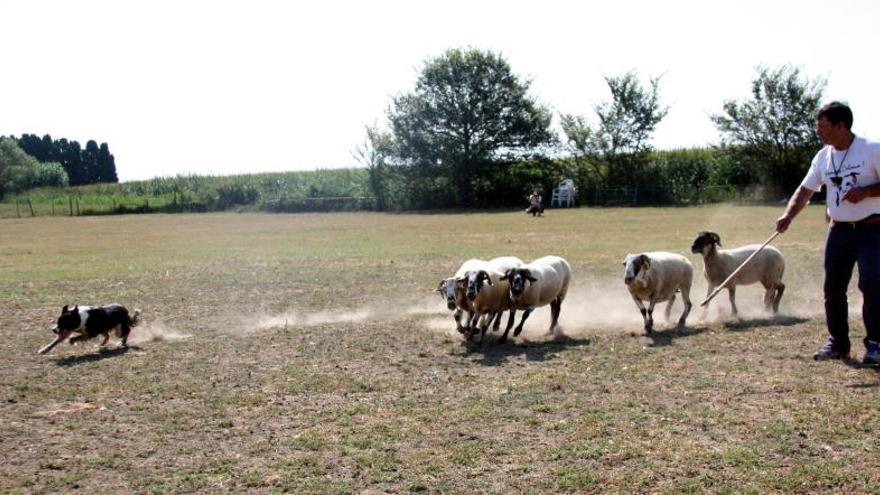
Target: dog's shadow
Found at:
x=95, y=356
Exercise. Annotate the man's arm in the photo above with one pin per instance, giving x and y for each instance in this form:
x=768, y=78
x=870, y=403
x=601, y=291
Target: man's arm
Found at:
x=857, y=194
x=798, y=201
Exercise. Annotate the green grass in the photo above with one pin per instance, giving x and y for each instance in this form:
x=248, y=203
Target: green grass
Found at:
x=332, y=398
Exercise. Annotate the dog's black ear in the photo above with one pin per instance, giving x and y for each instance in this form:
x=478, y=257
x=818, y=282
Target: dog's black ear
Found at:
x=75, y=309
x=64, y=309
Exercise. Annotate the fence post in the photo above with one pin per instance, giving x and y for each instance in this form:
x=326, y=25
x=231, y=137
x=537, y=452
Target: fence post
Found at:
x=31, y=207
x=636, y=195
x=17, y=213
x=53, y=206
x=70, y=204
x=77, y=207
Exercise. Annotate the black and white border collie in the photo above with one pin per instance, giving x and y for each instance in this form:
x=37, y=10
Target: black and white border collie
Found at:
x=89, y=322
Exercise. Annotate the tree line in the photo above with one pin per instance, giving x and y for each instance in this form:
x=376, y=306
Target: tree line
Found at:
x=31, y=161
x=470, y=134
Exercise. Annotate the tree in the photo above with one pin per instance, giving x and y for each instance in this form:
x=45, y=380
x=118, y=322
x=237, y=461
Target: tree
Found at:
x=91, y=165
x=775, y=128
x=373, y=154
x=467, y=109
x=20, y=171
x=620, y=141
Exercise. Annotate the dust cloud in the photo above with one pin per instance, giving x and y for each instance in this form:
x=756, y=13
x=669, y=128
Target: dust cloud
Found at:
x=154, y=332
x=591, y=307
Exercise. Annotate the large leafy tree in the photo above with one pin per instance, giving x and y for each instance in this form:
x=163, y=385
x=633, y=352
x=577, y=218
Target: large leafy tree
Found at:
x=467, y=109
x=618, y=144
x=773, y=131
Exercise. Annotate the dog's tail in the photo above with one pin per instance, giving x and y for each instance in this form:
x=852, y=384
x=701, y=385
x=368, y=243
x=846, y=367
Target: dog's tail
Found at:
x=135, y=318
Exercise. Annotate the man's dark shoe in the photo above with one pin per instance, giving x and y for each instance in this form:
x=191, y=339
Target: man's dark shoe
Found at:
x=830, y=351
x=872, y=353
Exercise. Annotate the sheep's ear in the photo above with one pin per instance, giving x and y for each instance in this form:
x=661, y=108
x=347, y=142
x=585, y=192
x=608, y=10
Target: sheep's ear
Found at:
x=484, y=275
x=442, y=286
x=75, y=309
x=529, y=276
x=645, y=260
x=64, y=309
x=716, y=238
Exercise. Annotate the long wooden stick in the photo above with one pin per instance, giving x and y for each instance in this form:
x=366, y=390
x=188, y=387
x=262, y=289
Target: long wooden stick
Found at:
x=738, y=269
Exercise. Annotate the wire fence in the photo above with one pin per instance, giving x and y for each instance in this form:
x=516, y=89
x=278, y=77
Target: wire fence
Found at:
x=73, y=205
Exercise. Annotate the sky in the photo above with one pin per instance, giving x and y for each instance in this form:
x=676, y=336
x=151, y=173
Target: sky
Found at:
x=228, y=87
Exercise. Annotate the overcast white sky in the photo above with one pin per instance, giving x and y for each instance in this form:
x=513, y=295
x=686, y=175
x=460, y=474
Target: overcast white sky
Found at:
x=221, y=87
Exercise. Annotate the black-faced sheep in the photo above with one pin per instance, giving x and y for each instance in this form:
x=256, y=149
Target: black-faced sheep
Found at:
x=767, y=267
x=454, y=291
x=541, y=282
x=656, y=277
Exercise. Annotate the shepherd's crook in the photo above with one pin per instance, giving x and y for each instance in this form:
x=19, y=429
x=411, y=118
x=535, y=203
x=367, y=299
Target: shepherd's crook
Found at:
x=738, y=269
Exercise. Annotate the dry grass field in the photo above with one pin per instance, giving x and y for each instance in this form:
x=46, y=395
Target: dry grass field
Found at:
x=309, y=354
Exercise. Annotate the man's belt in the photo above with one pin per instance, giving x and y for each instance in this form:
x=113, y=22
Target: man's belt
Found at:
x=869, y=220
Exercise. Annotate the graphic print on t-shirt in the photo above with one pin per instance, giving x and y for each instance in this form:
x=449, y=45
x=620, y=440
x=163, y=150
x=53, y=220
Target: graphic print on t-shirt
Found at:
x=844, y=179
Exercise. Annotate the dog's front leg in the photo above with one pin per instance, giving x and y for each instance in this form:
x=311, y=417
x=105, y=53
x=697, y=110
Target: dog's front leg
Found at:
x=106, y=338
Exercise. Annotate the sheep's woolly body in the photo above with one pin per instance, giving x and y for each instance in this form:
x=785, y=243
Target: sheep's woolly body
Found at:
x=656, y=277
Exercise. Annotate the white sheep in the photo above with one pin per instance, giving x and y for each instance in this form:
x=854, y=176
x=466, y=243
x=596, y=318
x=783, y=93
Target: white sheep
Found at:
x=541, y=282
x=454, y=291
x=767, y=267
x=656, y=277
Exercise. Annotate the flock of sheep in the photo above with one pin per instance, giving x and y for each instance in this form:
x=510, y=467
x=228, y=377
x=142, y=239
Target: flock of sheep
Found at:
x=483, y=290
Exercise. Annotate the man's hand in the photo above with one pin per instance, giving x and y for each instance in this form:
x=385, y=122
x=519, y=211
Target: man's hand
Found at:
x=782, y=223
x=856, y=194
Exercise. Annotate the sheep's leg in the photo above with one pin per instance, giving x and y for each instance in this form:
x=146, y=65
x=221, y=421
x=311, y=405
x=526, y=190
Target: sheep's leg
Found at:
x=485, y=326
x=510, y=320
x=643, y=311
x=473, y=322
x=669, y=307
x=497, y=325
x=731, y=292
x=525, y=316
x=456, y=315
x=780, y=288
x=686, y=299
x=649, y=323
x=106, y=338
x=555, y=309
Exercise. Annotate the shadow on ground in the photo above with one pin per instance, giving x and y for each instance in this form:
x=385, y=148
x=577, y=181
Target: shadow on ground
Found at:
x=494, y=354
x=661, y=338
x=776, y=321
x=96, y=356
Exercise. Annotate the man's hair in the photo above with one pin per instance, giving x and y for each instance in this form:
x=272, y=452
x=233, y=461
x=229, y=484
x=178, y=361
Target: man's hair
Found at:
x=837, y=112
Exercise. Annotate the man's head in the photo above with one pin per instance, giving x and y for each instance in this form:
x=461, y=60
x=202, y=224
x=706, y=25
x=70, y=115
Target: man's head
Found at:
x=834, y=123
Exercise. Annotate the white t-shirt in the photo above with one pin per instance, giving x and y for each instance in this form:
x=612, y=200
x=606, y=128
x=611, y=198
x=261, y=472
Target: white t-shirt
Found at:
x=840, y=171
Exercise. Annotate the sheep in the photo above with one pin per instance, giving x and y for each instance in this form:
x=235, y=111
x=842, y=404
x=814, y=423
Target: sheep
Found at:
x=489, y=297
x=454, y=291
x=656, y=277
x=541, y=282
x=766, y=267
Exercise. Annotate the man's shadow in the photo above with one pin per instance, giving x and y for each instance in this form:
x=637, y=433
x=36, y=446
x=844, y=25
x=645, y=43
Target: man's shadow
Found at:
x=95, y=356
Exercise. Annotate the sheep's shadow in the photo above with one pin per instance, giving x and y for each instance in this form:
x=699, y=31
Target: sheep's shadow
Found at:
x=666, y=337
x=741, y=325
x=493, y=353
x=95, y=356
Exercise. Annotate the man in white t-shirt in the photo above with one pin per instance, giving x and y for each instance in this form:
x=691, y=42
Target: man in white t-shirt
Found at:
x=849, y=168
